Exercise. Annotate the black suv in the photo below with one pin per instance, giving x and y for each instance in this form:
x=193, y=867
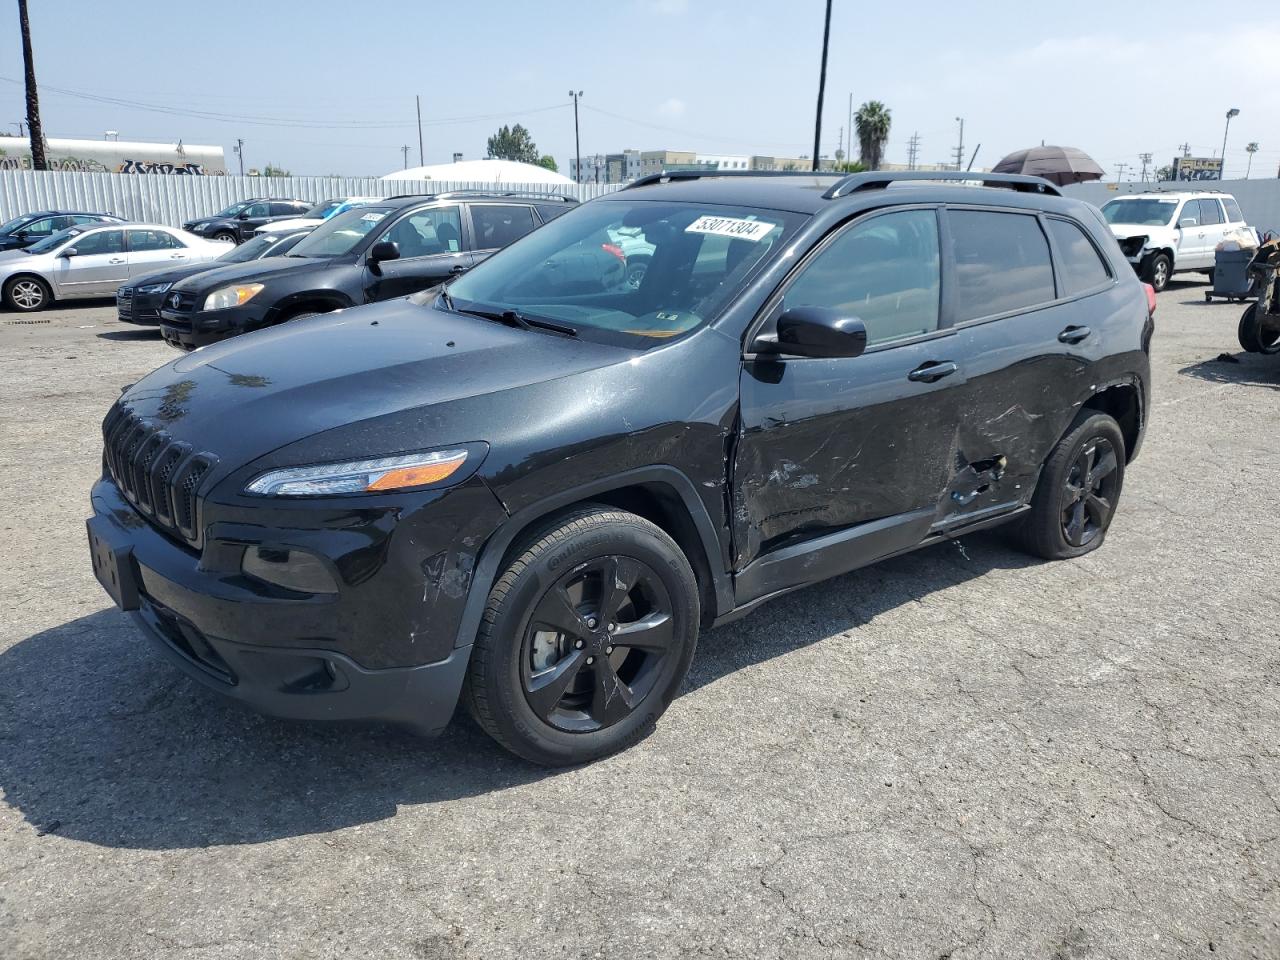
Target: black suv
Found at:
x=21, y=232
x=535, y=495
x=237, y=222
x=374, y=252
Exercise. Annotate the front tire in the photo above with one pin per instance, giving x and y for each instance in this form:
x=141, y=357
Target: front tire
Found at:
x=1156, y=270
x=27, y=294
x=226, y=237
x=1078, y=491
x=1246, y=331
x=585, y=640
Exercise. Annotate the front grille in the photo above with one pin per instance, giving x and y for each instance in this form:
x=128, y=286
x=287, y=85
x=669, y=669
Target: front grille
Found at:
x=124, y=303
x=160, y=476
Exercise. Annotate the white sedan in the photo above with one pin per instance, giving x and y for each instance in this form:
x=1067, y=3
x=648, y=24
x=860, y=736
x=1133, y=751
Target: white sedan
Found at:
x=92, y=261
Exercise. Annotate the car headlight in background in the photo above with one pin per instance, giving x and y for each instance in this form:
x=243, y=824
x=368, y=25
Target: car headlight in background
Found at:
x=152, y=288
x=233, y=296
x=360, y=476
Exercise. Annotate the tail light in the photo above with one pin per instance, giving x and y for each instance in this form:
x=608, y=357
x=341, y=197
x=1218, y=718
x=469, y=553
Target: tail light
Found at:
x=1151, y=299
x=615, y=250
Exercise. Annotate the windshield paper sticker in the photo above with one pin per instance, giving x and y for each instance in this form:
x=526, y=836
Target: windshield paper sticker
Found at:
x=753, y=230
x=373, y=217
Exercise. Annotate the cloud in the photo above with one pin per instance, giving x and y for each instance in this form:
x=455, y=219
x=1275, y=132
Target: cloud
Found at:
x=671, y=107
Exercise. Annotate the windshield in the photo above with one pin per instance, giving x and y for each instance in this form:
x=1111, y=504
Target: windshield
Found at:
x=1145, y=212
x=15, y=223
x=341, y=234
x=269, y=244
x=232, y=210
x=323, y=210
x=634, y=273
x=55, y=240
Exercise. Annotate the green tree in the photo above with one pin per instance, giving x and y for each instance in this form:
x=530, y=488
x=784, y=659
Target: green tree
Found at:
x=513, y=143
x=873, y=121
x=271, y=170
x=548, y=161
x=1165, y=172
x=851, y=166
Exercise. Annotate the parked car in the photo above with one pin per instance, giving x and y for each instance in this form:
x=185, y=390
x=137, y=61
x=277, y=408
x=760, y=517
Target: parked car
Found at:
x=318, y=214
x=1163, y=233
x=138, y=301
x=23, y=231
x=237, y=222
x=536, y=499
x=92, y=261
x=389, y=249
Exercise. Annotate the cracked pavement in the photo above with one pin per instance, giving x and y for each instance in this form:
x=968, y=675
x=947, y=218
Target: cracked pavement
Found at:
x=961, y=753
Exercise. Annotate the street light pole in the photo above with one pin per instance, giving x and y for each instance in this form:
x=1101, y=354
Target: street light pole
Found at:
x=1233, y=112
x=822, y=87
x=577, y=145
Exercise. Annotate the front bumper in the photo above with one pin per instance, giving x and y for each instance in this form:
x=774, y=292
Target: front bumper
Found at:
x=142, y=309
x=323, y=657
x=198, y=328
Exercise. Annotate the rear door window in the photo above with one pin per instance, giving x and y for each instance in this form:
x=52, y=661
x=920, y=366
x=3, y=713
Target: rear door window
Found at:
x=498, y=225
x=427, y=232
x=884, y=271
x=549, y=211
x=142, y=240
x=1210, y=213
x=1001, y=263
x=1080, y=266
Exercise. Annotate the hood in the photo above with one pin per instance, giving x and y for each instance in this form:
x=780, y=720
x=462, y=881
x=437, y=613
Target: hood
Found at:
x=1122, y=231
x=171, y=275
x=254, y=270
x=247, y=396
x=292, y=223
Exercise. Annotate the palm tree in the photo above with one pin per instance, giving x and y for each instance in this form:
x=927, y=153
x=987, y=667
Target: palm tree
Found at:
x=34, y=127
x=872, y=120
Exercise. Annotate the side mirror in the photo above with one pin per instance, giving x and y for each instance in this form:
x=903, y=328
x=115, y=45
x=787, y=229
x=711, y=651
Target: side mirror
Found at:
x=815, y=332
x=68, y=252
x=1186, y=222
x=242, y=215
x=384, y=250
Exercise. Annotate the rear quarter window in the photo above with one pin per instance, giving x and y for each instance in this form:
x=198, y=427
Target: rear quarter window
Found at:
x=1001, y=263
x=1233, y=210
x=1080, y=266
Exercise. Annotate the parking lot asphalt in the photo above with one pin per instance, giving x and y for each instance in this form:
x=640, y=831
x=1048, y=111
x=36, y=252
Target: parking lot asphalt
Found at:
x=958, y=753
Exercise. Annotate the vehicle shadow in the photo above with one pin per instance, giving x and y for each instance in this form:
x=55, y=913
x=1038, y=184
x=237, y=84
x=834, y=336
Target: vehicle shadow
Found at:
x=1250, y=370
x=101, y=741
x=133, y=335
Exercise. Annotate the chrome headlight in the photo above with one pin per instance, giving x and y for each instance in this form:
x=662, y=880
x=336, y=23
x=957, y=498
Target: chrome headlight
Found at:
x=233, y=296
x=379, y=475
x=152, y=288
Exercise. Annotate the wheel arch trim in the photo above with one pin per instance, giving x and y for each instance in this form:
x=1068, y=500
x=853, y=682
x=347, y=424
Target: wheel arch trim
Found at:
x=486, y=570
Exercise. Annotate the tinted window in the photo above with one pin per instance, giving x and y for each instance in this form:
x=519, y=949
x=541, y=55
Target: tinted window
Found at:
x=286, y=209
x=427, y=232
x=884, y=271
x=549, y=211
x=258, y=210
x=1080, y=266
x=1233, y=211
x=1210, y=212
x=497, y=226
x=43, y=227
x=83, y=218
x=142, y=240
x=1002, y=263
x=103, y=241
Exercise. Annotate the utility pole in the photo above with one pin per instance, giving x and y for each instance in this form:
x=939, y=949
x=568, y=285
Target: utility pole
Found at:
x=1186, y=149
x=22, y=127
x=577, y=144
x=1146, y=159
x=840, y=147
x=960, y=147
x=405, y=150
x=240, y=154
x=1120, y=169
x=421, y=157
x=1251, y=149
x=851, y=126
x=822, y=88
x=913, y=150
x=38, y=159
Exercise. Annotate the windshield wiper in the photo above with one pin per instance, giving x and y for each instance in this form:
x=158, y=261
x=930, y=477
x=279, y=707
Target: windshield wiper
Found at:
x=514, y=318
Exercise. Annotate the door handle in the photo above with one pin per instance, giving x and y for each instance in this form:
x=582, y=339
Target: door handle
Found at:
x=460, y=268
x=1074, y=334
x=933, y=370
x=177, y=256
x=116, y=260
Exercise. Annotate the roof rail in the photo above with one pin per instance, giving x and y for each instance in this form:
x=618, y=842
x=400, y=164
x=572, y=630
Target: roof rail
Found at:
x=496, y=192
x=878, y=180
x=668, y=175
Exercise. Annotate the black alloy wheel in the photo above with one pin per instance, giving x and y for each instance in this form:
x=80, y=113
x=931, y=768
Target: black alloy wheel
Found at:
x=1089, y=493
x=595, y=644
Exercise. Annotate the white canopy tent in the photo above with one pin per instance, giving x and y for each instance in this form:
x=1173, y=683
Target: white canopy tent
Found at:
x=483, y=171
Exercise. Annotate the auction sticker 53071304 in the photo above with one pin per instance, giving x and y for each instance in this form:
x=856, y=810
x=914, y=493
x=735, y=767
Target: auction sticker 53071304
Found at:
x=736, y=227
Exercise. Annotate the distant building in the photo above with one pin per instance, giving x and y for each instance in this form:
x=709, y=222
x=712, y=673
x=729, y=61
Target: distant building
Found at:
x=781, y=163
x=116, y=156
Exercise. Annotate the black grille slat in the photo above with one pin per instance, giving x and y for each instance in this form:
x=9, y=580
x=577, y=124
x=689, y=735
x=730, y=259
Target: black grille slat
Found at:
x=160, y=476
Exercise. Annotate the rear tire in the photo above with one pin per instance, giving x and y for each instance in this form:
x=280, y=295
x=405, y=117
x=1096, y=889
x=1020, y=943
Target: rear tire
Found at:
x=27, y=294
x=585, y=639
x=1156, y=270
x=1078, y=491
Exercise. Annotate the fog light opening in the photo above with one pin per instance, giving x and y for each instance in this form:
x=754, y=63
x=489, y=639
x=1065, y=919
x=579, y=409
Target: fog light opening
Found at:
x=293, y=569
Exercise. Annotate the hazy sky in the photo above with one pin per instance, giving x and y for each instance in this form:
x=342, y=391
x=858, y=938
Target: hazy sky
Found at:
x=325, y=86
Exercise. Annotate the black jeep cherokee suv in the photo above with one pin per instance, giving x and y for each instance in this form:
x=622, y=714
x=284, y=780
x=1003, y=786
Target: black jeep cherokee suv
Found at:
x=534, y=494
x=374, y=252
